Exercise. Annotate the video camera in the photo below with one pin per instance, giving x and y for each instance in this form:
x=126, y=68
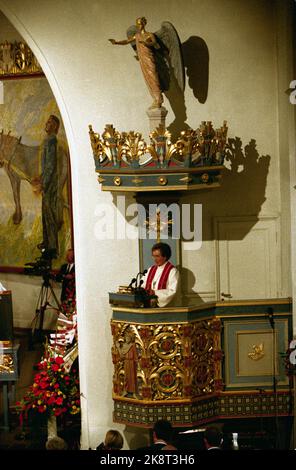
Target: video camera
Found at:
x=42, y=265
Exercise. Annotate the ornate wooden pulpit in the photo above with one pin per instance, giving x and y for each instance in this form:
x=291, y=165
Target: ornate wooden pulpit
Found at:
x=193, y=365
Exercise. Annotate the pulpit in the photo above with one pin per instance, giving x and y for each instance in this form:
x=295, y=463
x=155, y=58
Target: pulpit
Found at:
x=193, y=365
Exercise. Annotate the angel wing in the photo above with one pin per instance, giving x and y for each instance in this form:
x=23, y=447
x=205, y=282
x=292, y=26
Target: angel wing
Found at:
x=131, y=31
x=171, y=49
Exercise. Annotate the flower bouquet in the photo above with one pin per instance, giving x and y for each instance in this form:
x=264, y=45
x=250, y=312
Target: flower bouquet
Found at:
x=55, y=391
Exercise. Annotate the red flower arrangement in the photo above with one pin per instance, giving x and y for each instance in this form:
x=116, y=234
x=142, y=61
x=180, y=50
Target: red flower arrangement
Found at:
x=69, y=305
x=54, y=391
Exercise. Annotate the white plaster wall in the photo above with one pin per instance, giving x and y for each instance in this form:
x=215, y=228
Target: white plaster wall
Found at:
x=95, y=82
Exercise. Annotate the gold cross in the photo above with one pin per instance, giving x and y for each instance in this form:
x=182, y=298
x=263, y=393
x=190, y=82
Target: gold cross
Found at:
x=158, y=224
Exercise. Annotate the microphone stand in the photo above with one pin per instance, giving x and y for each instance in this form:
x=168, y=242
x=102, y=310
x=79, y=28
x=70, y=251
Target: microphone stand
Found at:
x=272, y=324
x=141, y=281
x=132, y=282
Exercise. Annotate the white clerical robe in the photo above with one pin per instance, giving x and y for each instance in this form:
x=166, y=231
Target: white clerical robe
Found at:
x=165, y=296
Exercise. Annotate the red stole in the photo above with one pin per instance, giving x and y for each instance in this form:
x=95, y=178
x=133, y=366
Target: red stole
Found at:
x=163, y=278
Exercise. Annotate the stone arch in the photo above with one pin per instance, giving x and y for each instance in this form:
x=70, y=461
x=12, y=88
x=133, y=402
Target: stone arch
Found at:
x=50, y=76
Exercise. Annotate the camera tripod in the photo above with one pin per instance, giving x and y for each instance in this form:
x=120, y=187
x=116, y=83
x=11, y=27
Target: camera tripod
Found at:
x=43, y=302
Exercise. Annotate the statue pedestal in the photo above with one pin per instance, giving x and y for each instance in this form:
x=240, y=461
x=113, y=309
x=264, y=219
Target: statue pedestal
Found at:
x=156, y=117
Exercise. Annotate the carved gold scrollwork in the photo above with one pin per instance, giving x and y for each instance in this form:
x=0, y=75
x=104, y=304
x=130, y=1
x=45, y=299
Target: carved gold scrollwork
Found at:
x=111, y=144
x=166, y=345
x=161, y=147
x=17, y=59
x=173, y=361
x=97, y=145
x=211, y=142
x=204, y=146
x=6, y=364
x=166, y=381
x=186, y=145
x=133, y=147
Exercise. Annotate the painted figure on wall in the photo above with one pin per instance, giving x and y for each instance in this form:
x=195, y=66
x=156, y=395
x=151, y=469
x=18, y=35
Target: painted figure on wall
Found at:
x=21, y=162
x=159, y=55
x=49, y=186
x=128, y=352
x=34, y=198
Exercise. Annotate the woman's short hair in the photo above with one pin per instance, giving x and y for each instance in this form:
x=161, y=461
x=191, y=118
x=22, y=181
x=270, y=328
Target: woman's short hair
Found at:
x=164, y=248
x=113, y=439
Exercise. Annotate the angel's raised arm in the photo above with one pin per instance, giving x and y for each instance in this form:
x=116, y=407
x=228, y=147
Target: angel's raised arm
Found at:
x=123, y=42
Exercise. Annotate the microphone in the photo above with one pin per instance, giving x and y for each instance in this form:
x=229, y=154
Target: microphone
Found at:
x=270, y=316
x=132, y=282
x=141, y=274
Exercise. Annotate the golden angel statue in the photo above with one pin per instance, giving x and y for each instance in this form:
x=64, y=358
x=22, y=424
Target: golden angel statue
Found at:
x=160, y=57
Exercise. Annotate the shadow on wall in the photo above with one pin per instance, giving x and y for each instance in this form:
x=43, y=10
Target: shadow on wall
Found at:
x=245, y=175
x=188, y=282
x=242, y=191
x=196, y=62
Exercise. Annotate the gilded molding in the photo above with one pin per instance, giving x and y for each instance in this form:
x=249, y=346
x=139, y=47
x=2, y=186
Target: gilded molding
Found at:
x=17, y=60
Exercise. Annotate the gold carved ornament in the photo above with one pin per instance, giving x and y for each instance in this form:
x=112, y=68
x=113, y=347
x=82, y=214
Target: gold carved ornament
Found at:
x=6, y=364
x=257, y=352
x=174, y=362
x=159, y=223
x=17, y=59
x=205, y=145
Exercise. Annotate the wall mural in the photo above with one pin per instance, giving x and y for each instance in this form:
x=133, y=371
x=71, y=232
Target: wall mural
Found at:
x=34, y=175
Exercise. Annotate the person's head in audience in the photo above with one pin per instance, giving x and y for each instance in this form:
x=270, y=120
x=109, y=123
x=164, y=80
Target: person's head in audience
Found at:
x=162, y=431
x=56, y=443
x=212, y=438
x=113, y=440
